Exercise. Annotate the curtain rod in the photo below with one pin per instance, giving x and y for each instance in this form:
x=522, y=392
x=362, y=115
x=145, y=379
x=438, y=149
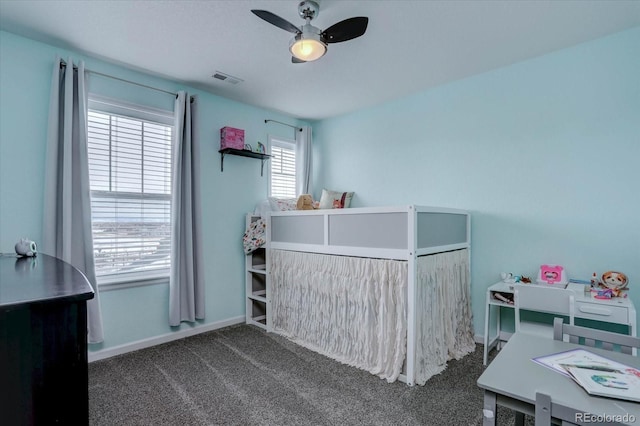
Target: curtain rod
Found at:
x=64, y=64
x=284, y=124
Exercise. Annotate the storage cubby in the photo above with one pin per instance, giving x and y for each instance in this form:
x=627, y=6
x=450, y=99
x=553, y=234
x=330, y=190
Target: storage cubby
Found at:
x=501, y=297
x=259, y=259
x=256, y=287
x=259, y=313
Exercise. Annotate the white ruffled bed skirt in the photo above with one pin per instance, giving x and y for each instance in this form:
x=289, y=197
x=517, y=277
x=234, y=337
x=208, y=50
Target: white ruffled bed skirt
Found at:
x=354, y=309
x=444, y=326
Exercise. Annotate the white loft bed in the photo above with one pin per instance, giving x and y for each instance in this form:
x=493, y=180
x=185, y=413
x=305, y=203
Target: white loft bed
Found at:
x=386, y=289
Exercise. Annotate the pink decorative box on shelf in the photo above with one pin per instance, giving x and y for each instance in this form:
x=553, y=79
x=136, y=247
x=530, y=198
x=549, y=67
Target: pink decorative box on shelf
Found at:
x=231, y=138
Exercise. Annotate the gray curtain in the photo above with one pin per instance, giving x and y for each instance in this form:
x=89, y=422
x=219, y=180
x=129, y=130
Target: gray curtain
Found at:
x=186, y=282
x=66, y=232
x=303, y=160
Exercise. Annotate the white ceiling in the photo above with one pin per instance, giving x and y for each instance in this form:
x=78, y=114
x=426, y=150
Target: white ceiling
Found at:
x=409, y=46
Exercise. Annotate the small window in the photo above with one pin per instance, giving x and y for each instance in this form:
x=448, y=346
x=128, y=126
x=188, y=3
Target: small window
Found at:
x=129, y=150
x=283, y=169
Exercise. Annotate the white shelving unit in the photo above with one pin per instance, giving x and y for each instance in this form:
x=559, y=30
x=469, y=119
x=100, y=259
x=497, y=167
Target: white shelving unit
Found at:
x=257, y=292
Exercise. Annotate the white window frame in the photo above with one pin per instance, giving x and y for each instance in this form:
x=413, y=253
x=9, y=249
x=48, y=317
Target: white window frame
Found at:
x=287, y=144
x=129, y=110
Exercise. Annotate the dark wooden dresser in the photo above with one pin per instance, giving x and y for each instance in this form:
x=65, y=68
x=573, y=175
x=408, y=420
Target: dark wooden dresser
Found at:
x=43, y=342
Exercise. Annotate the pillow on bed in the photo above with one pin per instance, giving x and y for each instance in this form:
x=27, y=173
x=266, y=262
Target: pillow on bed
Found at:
x=282, y=204
x=335, y=199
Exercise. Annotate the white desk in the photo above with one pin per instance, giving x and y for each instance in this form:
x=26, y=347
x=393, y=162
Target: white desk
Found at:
x=616, y=310
x=512, y=380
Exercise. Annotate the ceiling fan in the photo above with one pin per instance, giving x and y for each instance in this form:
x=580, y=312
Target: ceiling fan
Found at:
x=309, y=42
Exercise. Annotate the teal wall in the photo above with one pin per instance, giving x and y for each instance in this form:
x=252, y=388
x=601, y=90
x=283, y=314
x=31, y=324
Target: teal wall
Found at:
x=544, y=154
x=136, y=313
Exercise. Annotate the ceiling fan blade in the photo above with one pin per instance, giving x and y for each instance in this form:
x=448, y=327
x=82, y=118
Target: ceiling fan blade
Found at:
x=276, y=20
x=346, y=30
x=295, y=60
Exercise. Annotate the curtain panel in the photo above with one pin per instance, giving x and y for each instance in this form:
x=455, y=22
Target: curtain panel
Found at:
x=66, y=232
x=303, y=161
x=354, y=310
x=186, y=281
x=350, y=309
x=444, y=328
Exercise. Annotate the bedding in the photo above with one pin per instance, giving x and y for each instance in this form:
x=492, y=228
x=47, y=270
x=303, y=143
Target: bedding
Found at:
x=282, y=204
x=273, y=204
x=255, y=236
x=328, y=200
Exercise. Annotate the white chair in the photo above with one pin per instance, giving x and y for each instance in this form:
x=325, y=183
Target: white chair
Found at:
x=541, y=298
x=591, y=337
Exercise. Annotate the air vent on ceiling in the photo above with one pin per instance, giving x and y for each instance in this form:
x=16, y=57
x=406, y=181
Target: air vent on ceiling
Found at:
x=227, y=78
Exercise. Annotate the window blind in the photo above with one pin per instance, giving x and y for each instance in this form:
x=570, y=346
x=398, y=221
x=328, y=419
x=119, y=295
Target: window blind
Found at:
x=283, y=170
x=130, y=182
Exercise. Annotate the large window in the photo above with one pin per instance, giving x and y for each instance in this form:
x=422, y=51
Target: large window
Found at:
x=283, y=168
x=129, y=151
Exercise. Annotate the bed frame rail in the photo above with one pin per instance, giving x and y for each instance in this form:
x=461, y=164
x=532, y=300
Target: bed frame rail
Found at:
x=380, y=232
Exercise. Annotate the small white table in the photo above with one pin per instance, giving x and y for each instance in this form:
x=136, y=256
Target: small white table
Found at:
x=617, y=310
x=513, y=379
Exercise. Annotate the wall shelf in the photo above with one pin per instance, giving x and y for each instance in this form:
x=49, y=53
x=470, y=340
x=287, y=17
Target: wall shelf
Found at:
x=243, y=153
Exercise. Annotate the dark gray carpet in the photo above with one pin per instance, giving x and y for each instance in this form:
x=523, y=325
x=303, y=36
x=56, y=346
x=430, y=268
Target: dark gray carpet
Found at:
x=242, y=375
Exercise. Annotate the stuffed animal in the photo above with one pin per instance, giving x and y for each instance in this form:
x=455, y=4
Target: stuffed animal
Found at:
x=305, y=202
x=614, y=281
x=26, y=247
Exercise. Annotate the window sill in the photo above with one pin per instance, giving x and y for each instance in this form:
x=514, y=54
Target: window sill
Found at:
x=116, y=282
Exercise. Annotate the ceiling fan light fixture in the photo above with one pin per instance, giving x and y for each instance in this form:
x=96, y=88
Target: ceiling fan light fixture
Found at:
x=307, y=47
x=310, y=43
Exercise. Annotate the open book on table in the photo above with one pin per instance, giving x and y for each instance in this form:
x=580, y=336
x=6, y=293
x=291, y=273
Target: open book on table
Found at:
x=596, y=374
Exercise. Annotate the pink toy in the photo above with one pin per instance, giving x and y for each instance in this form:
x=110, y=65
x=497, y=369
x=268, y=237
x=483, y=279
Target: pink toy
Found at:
x=552, y=274
x=604, y=294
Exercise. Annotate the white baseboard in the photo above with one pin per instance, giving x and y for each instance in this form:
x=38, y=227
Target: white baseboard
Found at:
x=164, y=338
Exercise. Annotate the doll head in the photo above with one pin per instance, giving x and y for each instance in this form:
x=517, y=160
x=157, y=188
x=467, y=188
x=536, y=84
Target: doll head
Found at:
x=614, y=280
